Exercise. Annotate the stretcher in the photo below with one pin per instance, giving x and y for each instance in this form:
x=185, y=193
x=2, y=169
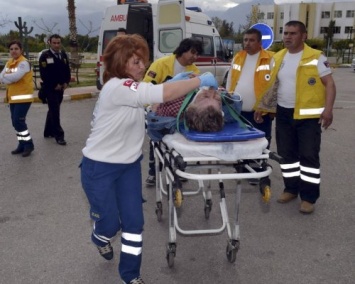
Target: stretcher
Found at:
x=204, y=157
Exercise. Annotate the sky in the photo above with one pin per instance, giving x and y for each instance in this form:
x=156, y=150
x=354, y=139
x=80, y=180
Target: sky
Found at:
x=44, y=14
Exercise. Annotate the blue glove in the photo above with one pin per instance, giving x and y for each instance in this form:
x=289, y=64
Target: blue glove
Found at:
x=180, y=76
x=208, y=80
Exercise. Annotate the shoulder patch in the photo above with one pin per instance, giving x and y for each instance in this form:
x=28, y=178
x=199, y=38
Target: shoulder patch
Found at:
x=131, y=84
x=152, y=74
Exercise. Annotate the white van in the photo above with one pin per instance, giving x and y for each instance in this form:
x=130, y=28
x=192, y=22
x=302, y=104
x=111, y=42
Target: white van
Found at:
x=164, y=25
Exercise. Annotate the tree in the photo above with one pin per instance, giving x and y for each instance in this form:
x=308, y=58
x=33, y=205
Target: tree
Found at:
x=224, y=28
x=73, y=32
x=87, y=41
x=252, y=17
x=48, y=30
x=4, y=21
x=328, y=36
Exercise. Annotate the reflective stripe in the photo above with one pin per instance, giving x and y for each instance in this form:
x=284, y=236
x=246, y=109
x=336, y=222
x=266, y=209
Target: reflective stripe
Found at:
x=310, y=179
x=237, y=67
x=23, y=132
x=310, y=170
x=99, y=237
x=309, y=111
x=263, y=67
x=313, y=62
x=131, y=250
x=132, y=237
x=290, y=166
x=22, y=97
x=21, y=138
x=292, y=174
x=11, y=70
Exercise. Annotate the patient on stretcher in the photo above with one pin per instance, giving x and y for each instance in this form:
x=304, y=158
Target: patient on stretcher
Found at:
x=203, y=111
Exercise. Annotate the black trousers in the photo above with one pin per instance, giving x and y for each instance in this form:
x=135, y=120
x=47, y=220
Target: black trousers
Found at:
x=298, y=143
x=52, y=126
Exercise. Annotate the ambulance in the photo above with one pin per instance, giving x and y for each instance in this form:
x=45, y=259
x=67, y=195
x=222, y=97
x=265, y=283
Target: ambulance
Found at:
x=164, y=25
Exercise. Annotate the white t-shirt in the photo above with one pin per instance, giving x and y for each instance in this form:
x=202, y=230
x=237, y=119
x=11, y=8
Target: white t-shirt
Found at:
x=286, y=93
x=118, y=129
x=178, y=68
x=245, y=85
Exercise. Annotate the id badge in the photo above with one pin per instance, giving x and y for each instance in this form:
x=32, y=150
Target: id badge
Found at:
x=50, y=60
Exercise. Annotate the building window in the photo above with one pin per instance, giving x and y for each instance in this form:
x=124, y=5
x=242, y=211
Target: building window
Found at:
x=336, y=30
x=282, y=15
x=281, y=30
x=325, y=15
x=350, y=13
x=270, y=15
x=261, y=16
x=323, y=30
x=337, y=14
x=349, y=30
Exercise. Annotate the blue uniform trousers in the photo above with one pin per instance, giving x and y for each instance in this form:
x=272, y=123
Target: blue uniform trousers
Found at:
x=114, y=192
x=298, y=143
x=18, y=117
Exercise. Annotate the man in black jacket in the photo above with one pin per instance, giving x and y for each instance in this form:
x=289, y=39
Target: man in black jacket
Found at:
x=55, y=73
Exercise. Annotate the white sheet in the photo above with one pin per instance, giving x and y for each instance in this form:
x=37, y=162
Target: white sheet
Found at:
x=228, y=151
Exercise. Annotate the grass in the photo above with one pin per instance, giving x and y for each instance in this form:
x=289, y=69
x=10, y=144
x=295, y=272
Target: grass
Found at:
x=87, y=75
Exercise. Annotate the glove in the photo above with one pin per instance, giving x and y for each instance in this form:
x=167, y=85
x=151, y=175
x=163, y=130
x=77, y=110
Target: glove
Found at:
x=180, y=76
x=208, y=80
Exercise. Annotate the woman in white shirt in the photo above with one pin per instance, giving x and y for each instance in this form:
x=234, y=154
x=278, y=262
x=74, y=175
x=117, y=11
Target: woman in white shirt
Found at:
x=110, y=169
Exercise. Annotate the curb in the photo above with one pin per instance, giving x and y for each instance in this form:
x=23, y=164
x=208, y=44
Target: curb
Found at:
x=78, y=97
x=75, y=97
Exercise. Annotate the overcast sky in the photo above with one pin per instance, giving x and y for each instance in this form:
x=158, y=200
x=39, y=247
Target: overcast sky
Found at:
x=55, y=11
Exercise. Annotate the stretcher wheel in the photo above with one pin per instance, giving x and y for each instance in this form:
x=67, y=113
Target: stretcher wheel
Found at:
x=159, y=211
x=266, y=191
x=178, y=198
x=208, y=208
x=170, y=254
x=231, y=250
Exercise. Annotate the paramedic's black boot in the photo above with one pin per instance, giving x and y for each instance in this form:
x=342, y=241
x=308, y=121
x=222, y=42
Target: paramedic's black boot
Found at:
x=27, y=152
x=18, y=150
x=150, y=181
x=106, y=251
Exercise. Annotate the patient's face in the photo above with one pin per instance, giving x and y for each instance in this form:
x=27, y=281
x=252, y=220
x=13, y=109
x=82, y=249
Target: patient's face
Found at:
x=205, y=98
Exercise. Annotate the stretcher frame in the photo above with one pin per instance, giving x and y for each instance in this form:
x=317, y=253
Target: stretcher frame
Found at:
x=169, y=164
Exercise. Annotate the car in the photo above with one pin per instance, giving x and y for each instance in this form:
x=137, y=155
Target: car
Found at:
x=353, y=64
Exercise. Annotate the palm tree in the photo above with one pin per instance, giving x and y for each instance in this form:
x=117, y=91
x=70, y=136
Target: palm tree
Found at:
x=73, y=32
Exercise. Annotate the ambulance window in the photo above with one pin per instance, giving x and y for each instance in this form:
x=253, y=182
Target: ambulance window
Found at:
x=220, y=50
x=108, y=35
x=169, y=40
x=207, y=44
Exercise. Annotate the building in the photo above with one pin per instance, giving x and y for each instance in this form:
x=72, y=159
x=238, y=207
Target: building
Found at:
x=316, y=17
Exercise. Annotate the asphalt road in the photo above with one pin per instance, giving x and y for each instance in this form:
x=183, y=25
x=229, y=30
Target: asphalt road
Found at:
x=45, y=227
